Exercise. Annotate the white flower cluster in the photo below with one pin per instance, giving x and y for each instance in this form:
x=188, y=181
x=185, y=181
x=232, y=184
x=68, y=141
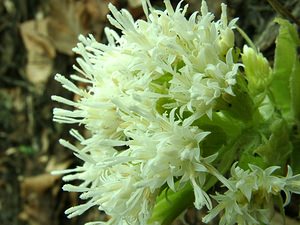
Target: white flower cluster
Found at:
x=145, y=88
x=250, y=201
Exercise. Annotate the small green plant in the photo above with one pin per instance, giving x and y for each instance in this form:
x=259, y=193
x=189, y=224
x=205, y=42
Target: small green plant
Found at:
x=176, y=111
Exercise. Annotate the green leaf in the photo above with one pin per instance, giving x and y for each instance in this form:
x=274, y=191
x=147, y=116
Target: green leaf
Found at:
x=295, y=158
x=295, y=91
x=214, y=141
x=240, y=107
x=220, y=124
x=285, y=58
x=250, y=140
x=278, y=147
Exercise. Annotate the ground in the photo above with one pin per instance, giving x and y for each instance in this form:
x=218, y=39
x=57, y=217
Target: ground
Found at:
x=36, y=39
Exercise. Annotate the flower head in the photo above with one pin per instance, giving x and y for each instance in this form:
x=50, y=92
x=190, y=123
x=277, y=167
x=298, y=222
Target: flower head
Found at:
x=251, y=200
x=144, y=90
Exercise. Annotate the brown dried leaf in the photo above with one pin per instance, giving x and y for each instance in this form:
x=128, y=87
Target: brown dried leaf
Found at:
x=69, y=18
x=37, y=184
x=38, y=194
x=97, y=10
x=40, y=51
x=64, y=24
x=53, y=165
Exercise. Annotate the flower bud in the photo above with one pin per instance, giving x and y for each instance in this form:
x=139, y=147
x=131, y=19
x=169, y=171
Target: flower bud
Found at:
x=227, y=40
x=257, y=69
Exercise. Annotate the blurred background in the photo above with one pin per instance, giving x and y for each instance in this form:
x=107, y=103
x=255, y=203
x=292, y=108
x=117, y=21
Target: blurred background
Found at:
x=36, y=41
